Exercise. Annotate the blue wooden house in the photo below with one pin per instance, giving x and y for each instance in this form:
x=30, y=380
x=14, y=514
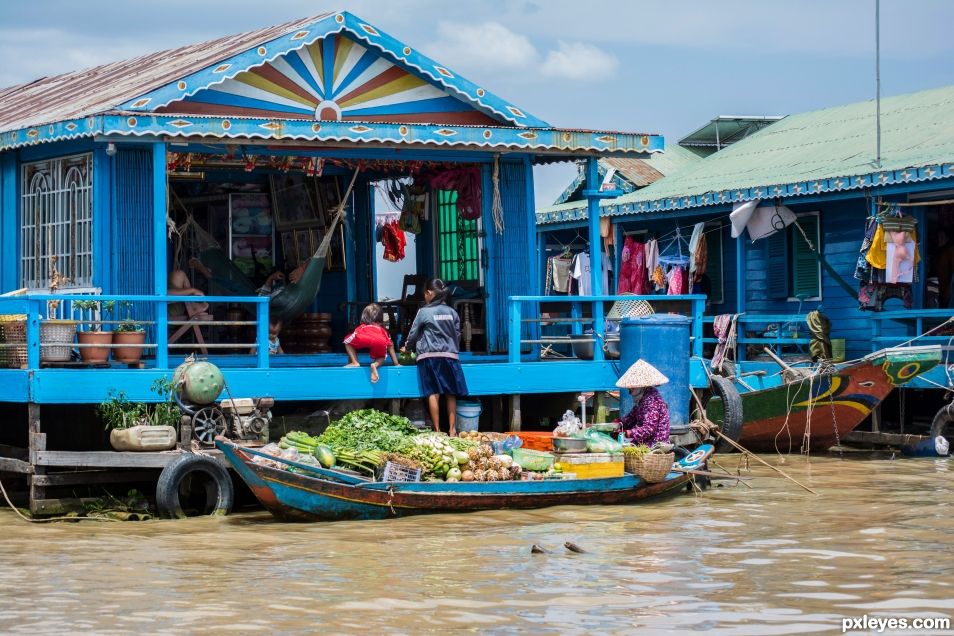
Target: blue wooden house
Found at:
x=824, y=166
x=124, y=171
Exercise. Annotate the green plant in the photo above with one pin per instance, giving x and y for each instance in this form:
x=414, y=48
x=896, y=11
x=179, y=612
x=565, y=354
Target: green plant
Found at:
x=105, y=307
x=127, y=323
x=118, y=412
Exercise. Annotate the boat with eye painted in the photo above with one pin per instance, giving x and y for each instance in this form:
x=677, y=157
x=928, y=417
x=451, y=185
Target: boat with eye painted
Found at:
x=310, y=493
x=816, y=412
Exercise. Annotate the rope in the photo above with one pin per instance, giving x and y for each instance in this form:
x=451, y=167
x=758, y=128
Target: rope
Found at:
x=497, y=205
x=47, y=519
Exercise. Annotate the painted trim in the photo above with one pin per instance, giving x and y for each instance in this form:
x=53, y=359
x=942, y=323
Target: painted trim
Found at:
x=104, y=275
x=159, y=252
x=487, y=250
x=344, y=22
x=9, y=223
x=542, y=140
x=878, y=179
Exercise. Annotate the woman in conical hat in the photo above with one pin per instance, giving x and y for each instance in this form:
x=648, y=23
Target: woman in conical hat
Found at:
x=648, y=422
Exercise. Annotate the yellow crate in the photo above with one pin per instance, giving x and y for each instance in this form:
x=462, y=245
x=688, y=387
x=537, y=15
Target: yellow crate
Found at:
x=591, y=465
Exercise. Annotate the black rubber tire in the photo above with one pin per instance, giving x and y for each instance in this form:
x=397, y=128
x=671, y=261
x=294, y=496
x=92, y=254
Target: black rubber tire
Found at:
x=724, y=389
x=942, y=420
x=179, y=472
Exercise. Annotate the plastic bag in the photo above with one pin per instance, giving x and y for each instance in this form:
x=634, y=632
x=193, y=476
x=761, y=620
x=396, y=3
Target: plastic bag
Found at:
x=941, y=446
x=597, y=442
x=568, y=426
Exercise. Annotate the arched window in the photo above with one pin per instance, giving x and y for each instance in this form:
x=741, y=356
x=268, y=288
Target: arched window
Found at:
x=56, y=222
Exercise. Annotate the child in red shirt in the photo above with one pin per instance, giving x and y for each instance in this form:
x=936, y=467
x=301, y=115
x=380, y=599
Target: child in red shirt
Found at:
x=370, y=335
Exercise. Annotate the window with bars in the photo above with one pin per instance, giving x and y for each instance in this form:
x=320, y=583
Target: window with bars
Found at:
x=458, y=245
x=56, y=220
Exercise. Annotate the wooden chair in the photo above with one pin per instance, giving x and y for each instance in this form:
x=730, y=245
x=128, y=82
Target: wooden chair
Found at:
x=411, y=301
x=192, y=320
x=471, y=311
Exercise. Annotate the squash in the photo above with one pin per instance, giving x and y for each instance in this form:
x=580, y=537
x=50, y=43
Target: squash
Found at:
x=325, y=456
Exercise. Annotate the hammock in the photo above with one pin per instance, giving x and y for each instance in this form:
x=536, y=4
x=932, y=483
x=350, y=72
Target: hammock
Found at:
x=293, y=299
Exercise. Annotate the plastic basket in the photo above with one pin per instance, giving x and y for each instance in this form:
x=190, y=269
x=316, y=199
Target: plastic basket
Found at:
x=532, y=460
x=400, y=472
x=59, y=333
x=13, y=332
x=652, y=467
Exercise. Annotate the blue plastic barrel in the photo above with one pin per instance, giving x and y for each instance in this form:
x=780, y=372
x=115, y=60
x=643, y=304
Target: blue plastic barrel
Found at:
x=662, y=340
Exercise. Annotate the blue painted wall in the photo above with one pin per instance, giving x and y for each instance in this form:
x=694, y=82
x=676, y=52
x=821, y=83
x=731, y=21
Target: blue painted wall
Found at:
x=842, y=230
x=512, y=251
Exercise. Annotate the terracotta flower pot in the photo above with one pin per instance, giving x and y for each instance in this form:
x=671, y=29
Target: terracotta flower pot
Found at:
x=128, y=355
x=94, y=354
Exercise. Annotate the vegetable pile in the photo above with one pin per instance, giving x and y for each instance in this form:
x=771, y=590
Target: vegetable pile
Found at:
x=366, y=440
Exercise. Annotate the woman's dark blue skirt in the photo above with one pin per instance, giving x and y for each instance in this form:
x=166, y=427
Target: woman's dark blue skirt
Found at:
x=441, y=376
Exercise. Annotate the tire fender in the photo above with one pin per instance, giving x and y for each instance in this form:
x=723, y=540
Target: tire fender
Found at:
x=731, y=427
x=942, y=420
x=180, y=469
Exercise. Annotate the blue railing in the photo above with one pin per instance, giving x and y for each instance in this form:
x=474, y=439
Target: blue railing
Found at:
x=791, y=330
x=34, y=306
x=914, y=322
x=692, y=306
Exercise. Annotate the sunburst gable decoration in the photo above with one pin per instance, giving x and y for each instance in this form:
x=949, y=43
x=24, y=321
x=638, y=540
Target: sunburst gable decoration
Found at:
x=332, y=79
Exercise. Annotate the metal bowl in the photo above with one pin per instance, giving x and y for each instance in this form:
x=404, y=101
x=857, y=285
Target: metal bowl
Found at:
x=569, y=445
x=581, y=348
x=612, y=349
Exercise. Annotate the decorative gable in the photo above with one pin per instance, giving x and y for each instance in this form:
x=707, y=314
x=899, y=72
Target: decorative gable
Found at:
x=332, y=79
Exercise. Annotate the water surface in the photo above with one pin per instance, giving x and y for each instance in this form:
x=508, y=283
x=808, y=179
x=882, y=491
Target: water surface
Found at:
x=767, y=560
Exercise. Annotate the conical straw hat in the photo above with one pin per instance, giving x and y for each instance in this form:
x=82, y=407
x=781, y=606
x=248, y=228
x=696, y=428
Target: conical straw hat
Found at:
x=641, y=374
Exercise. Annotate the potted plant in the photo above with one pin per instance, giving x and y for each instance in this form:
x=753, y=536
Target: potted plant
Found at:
x=128, y=332
x=136, y=426
x=93, y=334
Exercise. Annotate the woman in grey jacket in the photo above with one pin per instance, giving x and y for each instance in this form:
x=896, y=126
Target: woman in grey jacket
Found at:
x=435, y=337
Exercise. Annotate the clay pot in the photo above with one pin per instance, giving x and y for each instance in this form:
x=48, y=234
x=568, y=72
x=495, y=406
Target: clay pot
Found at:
x=132, y=354
x=94, y=354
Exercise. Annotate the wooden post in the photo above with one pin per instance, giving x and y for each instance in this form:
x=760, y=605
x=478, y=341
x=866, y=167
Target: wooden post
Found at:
x=876, y=419
x=515, y=419
x=37, y=445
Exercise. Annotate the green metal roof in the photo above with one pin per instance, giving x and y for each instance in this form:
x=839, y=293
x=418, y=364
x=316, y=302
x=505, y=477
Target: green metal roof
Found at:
x=809, y=153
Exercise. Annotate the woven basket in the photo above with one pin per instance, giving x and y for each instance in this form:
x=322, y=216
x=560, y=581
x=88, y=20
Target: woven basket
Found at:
x=651, y=467
x=13, y=332
x=57, y=332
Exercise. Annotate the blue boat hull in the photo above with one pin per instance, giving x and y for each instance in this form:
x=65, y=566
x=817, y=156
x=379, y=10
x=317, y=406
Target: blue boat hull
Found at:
x=294, y=496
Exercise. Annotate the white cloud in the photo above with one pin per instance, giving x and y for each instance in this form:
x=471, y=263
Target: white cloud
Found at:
x=579, y=61
x=488, y=45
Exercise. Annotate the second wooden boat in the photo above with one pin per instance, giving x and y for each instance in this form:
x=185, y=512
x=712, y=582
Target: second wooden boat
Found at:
x=813, y=413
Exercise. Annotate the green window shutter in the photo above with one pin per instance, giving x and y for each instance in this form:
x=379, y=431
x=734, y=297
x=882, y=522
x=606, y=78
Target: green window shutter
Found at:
x=805, y=275
x=458, y=249
x=714, y=264
x=776, y=261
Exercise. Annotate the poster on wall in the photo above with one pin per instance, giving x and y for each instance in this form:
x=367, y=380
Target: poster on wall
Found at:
x=251, y=233
x=900, y=257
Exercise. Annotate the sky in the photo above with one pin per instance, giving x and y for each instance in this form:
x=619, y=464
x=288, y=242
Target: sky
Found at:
x=631, y=65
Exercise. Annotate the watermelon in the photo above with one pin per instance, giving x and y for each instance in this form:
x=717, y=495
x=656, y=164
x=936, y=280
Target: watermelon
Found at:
x=325, y=455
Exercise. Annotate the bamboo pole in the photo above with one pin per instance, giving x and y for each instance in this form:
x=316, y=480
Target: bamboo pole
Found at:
x=745, y=451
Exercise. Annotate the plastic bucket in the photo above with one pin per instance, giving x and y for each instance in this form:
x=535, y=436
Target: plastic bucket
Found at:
x=468, y=415
x=837, y=349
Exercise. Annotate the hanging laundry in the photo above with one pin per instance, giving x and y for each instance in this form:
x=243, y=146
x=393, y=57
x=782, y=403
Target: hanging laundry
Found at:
x=698, y=232
x=678, y=281
x=580, y=271
x=626, y=267
x=652, y=256
x=872, y=296
x=394, y=241
x=561, y=274
x=659, y=278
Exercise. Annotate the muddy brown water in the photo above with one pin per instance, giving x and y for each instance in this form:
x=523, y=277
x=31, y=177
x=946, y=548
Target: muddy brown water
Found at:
x=767, y=560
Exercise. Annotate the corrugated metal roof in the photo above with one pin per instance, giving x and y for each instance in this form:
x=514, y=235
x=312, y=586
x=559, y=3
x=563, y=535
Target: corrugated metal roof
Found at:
x=96, y=90
x=727, y=129
x=638, y=172
x=809, y=153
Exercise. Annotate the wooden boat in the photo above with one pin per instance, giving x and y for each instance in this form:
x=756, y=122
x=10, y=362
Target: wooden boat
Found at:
x=814, y=413
x=313, y=494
